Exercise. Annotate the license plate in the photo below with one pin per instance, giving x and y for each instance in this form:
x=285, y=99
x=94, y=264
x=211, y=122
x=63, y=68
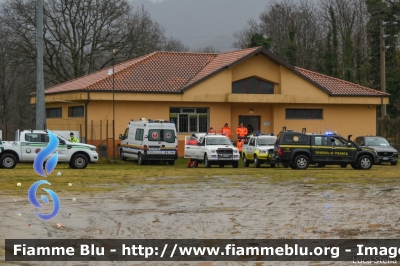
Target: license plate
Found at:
x=154, y=149
x=225, y=155
x=385, y=158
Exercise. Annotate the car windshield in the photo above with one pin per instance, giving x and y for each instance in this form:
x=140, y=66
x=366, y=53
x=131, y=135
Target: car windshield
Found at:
x=61, y=137
x=218, y=141
x=376, y=142
x=266, y=141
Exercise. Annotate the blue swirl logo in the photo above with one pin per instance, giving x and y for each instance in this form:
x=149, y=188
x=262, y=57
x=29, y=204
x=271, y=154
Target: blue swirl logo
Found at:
x=42, y=155
x=32, y=198
x=50, y=164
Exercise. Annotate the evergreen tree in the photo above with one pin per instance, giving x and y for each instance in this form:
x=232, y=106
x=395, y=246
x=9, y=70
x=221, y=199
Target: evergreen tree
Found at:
x=291, y=50
x=258, y=39
x=328, y=57
x=380, y=11
x=335, y=45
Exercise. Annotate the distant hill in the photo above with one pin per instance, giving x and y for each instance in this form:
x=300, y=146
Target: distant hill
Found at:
x=202, y=23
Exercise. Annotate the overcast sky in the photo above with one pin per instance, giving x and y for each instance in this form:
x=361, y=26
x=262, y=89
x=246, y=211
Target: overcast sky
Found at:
x=201, y=23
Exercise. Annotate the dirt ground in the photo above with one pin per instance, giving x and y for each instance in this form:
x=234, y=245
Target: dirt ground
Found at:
x=216, y=210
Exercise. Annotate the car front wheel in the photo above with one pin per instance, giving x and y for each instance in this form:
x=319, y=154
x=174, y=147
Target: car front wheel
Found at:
x=121, y=155
x=245, y=161
x=140, y=160
x=206, y=161
x=235, y=164
x=365, y=162
x=79, y=161
x=301, y=162
x=8, y=161
x=257, y=161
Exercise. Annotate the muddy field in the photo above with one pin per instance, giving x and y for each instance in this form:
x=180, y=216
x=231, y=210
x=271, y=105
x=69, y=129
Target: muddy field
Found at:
x=218, y=209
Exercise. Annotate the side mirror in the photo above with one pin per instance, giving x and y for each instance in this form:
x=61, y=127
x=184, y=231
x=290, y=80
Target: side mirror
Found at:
x=62, y=142
x=391, y=144
x=120, y=137
x=349, y=144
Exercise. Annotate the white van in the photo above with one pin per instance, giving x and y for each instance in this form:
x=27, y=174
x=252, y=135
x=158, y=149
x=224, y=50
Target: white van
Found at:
x=149, y=140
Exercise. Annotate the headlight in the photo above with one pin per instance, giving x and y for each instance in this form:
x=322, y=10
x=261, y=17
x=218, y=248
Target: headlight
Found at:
x=93, y=148
x=262, y=151
x=213, y=151
x=235, y=151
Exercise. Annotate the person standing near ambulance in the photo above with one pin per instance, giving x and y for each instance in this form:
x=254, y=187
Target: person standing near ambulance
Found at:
x=241, y=131
x=226, y=131
x=239, y=145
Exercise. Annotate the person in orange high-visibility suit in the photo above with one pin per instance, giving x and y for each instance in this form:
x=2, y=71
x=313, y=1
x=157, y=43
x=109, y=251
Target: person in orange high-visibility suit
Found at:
x=241, y=131
x=239, y=145
x=226, y=131
x=192, y=141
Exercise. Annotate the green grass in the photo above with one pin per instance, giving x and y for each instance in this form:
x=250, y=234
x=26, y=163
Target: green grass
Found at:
x=108, y=176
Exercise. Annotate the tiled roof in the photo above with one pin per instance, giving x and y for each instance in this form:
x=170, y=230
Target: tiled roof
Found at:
x=221, y=61
x=338, y=87
x=161, y=72
x=173, y=72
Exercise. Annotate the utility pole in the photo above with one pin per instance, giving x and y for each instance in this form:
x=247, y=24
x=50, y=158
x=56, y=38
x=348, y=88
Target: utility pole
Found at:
x=113, y=104
x=40, y=100
x=383, y=63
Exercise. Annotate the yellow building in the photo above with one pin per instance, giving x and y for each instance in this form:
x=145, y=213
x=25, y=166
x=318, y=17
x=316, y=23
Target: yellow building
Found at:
x=200, y=90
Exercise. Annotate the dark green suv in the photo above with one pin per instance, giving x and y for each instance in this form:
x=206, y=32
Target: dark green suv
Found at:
x=298, y=150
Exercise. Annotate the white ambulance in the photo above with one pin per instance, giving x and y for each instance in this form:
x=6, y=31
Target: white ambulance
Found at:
x=149, y=140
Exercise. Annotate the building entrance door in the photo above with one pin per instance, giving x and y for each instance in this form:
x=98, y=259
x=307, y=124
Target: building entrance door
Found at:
x=251, y=122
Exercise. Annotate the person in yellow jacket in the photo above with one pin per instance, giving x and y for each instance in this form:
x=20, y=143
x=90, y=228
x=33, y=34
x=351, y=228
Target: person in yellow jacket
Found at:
x=72, y=138
x=241, y=131
x=226, y=131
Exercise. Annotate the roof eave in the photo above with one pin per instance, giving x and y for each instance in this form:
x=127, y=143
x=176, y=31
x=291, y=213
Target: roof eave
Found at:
x=359, y=95
x=108, y=91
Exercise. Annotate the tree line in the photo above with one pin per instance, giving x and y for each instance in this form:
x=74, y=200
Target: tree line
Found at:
x=79, y=38
x=339, y=38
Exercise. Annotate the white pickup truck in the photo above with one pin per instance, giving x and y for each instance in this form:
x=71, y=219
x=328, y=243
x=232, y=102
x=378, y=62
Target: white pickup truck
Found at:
x=29, y=142
x=211, y=149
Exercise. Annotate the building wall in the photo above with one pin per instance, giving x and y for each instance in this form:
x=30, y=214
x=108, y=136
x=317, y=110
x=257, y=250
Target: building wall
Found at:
x=344, y=119
x=258, y=66
x=346, y=115
x=65, y=122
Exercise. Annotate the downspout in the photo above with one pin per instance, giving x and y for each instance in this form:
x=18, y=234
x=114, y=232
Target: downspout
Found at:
x=86, y=116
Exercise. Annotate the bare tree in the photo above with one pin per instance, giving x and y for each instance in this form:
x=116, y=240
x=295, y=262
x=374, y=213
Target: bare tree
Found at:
x=293, y=27
x=81, y=35
x=351, y=19
x=208, y=50
x=243, y=37
x=15, y=85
